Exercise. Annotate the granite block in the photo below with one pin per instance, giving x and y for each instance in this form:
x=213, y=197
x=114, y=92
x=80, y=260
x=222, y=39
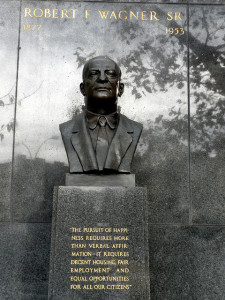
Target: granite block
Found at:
x=207, y=100
x=78, y=213
x=25, y=251
x=187, y=262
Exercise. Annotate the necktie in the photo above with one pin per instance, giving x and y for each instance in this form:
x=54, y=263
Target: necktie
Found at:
x=102, y=143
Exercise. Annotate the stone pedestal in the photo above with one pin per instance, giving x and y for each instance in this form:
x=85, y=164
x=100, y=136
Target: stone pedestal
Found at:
x=99, y=245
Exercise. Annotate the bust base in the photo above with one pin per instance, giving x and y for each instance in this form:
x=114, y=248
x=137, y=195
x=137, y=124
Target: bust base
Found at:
x=127, y=180
x=99, y=246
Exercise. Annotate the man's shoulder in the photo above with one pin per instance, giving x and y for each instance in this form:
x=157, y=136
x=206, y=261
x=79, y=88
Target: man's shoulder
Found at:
x=136, y=126
x=69, y=125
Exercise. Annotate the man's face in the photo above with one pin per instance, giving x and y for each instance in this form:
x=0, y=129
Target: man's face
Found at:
x=101, y=79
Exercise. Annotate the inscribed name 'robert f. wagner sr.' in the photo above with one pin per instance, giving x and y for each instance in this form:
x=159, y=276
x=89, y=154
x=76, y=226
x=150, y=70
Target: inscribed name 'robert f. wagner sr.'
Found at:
x=73, y=13
x=100, y=139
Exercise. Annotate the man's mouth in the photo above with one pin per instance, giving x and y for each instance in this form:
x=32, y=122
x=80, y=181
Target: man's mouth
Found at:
x=102, y=89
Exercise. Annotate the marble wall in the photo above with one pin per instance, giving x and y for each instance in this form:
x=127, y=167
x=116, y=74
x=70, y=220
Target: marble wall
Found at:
x=174, y=85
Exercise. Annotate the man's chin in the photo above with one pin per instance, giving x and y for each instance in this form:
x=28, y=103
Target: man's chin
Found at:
x=101, y=97
x=102, y=94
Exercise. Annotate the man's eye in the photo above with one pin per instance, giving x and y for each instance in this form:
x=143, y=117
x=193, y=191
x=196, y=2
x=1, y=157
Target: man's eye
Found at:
x=111, y=73
x=93, y=73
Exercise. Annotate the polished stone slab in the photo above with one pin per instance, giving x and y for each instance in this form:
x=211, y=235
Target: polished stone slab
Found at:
x=32, y=188
x=5, y=185
x=9, y=29
x=166, y=177
x=7, y=283
x=24, y=261
x=187, y=262
x=100, y=180
x=149, y=99
x=207, y=98
x=95, y=225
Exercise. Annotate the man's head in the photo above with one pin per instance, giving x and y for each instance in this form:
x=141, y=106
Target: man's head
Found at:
x=101, y=84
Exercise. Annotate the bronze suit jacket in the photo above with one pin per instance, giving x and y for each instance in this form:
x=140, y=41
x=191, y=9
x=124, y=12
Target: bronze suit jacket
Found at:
x=80, y=152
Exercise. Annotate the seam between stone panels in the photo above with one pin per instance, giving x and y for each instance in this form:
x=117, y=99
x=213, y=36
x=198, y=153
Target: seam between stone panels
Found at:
x=15, y=112
x=185, y=225
x=206, y=4
x=189, y=118
x=170, y=224
x=26, y=222
x=132, y=2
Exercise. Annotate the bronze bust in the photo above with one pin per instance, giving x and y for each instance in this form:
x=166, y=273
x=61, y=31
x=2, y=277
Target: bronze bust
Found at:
x=100, y=139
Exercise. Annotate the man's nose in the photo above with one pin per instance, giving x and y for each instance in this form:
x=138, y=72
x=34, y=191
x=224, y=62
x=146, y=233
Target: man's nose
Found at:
x=102, y=76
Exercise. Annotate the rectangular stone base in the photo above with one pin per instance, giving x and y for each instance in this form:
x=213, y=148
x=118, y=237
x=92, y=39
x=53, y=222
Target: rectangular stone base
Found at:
x=99, y=245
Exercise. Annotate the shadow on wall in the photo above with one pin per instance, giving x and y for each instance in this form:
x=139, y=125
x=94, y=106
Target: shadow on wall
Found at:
x=32, y=188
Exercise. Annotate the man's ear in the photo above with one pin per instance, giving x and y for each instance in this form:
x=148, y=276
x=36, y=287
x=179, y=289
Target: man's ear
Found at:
x=120, y=89
x=82, y=89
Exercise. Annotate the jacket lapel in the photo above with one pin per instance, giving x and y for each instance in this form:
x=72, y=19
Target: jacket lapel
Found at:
x=82, y=144
x=120, y=144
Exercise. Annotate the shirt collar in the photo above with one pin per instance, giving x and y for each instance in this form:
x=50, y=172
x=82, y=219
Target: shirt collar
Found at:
x=93, y=118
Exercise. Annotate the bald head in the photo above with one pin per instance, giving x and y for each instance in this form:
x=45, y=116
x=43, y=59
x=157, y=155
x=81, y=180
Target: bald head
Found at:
x=99, y=61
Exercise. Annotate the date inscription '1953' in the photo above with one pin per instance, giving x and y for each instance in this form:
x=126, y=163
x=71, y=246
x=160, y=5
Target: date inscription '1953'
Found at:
x=174, y=31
